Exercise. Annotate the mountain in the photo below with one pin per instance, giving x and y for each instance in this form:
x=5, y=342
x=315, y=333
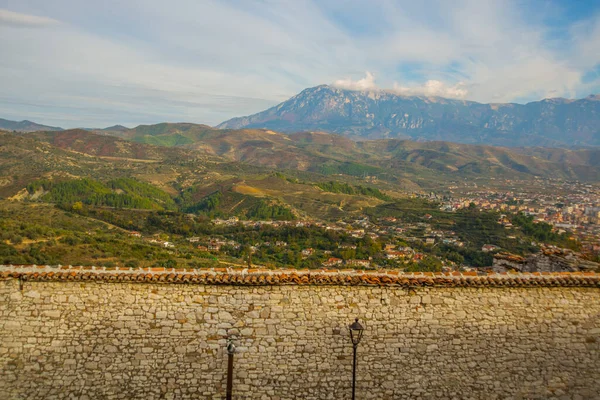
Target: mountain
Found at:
x=25, y=126
x=94, y=144
x=396, y=159
x=380, y=114
x=116, y=128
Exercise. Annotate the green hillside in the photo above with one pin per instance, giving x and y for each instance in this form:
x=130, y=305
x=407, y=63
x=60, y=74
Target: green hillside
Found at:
x=119, y=193
x=392, y=159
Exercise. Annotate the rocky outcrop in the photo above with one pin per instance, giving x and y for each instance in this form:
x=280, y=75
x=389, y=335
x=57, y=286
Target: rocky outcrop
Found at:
x=547, y=260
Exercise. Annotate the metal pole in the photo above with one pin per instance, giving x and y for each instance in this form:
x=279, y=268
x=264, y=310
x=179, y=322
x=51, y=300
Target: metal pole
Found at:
x=229, y=376
x=354, y=372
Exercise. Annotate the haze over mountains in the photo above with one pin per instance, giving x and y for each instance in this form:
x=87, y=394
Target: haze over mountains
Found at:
x=380, y=114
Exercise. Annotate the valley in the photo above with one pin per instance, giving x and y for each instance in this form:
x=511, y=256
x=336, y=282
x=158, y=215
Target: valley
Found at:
x=190, y=196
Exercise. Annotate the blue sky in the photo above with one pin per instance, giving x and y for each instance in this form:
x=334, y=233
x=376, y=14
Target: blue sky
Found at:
x=76, y=63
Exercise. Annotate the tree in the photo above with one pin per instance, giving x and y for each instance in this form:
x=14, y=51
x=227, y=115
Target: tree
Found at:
x=429, y=264
x=247, y=254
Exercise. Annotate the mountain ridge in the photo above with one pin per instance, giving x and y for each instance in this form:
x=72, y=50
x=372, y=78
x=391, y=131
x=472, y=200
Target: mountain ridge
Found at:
x=382, y=114
x=25, y=126
x=325, y=153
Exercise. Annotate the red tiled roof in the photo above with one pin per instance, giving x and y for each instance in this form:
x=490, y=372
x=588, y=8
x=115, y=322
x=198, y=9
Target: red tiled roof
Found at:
x=248, y=277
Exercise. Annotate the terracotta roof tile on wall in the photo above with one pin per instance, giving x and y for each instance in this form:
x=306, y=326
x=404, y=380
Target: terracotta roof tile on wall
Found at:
x=258, y=277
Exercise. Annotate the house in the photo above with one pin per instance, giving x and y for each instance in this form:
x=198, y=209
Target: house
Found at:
x=357, y=233
x=395, y=255
x=307, y=252
x=194, y=239
x=135, y=234
x=332, y=262
x=214, y=245
x=168, y=245
x=233, y=244
x=358, y=263
x=486, y=248
x=202, y=248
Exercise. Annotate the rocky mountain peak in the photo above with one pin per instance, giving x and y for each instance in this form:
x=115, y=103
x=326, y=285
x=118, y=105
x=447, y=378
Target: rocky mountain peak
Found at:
x=376, y=114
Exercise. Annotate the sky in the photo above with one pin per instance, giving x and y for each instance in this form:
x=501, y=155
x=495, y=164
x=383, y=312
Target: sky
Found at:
x=83, y=63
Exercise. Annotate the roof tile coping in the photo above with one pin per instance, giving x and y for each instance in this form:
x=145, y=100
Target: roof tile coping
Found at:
x=258, y=276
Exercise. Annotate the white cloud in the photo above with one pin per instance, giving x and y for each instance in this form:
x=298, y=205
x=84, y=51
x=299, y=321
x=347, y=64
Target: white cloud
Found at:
x=433, y=88
x=366, y=83
x=24, y=20
x=430, y=88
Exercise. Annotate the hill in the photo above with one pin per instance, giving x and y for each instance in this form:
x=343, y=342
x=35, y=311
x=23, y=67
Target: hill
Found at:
x=25, y=126
x=380, y=114
x=392, y=160
x=79, y=166
x=76, y=154
x=253, y=169
x=92, y=143
x=103, y=188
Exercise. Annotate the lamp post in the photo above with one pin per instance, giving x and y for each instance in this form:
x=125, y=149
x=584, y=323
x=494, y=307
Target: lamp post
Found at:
x=356, y=332
x=230, y=352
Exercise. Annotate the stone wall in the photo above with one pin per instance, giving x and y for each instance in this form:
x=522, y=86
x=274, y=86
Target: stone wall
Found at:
x=77, y=338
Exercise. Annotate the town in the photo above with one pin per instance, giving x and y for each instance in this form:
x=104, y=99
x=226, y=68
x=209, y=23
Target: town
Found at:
x=572, y=207
x=429, y=239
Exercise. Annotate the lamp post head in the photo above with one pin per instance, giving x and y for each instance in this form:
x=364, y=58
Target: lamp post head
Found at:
x=230, y=346
x=356, y=332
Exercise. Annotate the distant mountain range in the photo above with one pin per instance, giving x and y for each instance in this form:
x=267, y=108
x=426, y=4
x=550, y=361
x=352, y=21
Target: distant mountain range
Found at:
x=25, y=126
x=29, y=126
x=363, y=115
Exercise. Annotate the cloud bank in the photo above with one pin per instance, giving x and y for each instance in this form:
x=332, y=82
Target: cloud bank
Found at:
x=430, y=88
x=366, y=83
x=433, y=88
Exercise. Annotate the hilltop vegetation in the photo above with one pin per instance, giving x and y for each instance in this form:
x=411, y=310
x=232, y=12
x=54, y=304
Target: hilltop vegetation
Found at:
x=342, y=187
x=119, y=193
